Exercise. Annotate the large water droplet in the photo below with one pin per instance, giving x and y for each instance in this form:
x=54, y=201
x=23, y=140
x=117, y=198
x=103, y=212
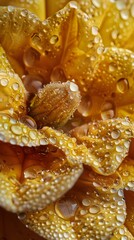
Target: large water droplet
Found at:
x=54, y=39
x=58, y=75
x=32, y=83
x=85, y=107
x=30, y=57
x=29, y=121
x=94, y=209
x=122, y=85
x=66, y=208
x=107, y=111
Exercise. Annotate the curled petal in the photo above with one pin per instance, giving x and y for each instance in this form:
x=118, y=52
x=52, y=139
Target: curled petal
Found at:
x=37, y=7
x=108, y=140
x=55, y=104
x=129, y=223
x=32, y=178
x=12, y=91
x=89, y=210
x=122, y=233
x=126, y=171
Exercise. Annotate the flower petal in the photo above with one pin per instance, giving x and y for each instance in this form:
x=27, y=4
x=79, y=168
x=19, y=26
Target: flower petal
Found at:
x=32, y=178
x=122, y=233
x=90, y=210
x=126, y=171
x=110, y=90
x=37, y=7
x=54, y=104
x=108, y=140
x=12, y=91
x=129, y=223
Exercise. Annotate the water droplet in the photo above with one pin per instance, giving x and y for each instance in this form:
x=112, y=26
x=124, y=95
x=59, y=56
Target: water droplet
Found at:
x=112, y=67
x=73, y=4
x=122, y=85
x=4, y=82
x=29, y=121
x=124, y=14
x=120, y=218
x=73, y=87
x=33, y=135
x=66, y=208
x=86, y=202
x=30, y=56
x=107, y=111
x=94, y=31
x=96, y=3
x=30, y=173
x=32, y=83
x=15, y=86
x=120, y=5
x=22, y=216
x=16, y=129
x=124, y=238
x=114, y=34
x=58, y=75
x=85, y=107
x=94, y=209
x=54, y=39
x=115, y=134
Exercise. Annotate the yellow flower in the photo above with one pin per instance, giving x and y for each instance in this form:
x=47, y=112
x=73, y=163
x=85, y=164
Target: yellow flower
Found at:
x=66, y=89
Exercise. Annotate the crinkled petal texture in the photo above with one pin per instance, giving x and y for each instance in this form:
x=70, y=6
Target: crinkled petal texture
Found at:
x=35, y=6
x=114, y=18
x=31, y=171
x=51, y=48
x=107, y=140
x=92, y=209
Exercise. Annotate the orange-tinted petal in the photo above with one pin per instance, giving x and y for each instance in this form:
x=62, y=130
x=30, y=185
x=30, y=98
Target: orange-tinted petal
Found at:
x=107, y=140
x=122, y=233
x=129, y=223
x=126, y=171
x=92, y=209
x=54, y=104
x=12, y=91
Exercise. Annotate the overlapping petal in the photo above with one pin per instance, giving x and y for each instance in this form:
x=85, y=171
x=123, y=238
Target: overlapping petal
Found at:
x=108, y=140
x=92, y=209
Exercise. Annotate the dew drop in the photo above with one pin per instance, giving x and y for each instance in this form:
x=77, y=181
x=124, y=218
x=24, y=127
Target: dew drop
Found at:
x=96, y=3
x=107, y=111
x=4, y=82
x=32, y=83
x=30, y=56
x=120, y=5
x=15, y=86
x=58, y=75
x=54, y=39
x=94, y=209
x=73, y=4
x=120, y=218
x=73, y=87
x=66, y=208
x=85, y=107
x=22, y=216
x=112, y=67
x=30, y=173
x=122, y=85
x=28, y=121
x=114, y=34
x=17, y=130
x=124, y=14
x=94, y=30
x=86, y=202
x=115, y=134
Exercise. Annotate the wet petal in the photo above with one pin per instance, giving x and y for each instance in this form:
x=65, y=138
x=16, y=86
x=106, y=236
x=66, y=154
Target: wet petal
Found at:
x=122, y=233
x=129, y=223
x=51, y=48
x=126, y=171
x=12, y=91
x=37, y=7
x=92, y=209
x=32, y=178
x=108, y=140
x=110, y=91
x=55, y=104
